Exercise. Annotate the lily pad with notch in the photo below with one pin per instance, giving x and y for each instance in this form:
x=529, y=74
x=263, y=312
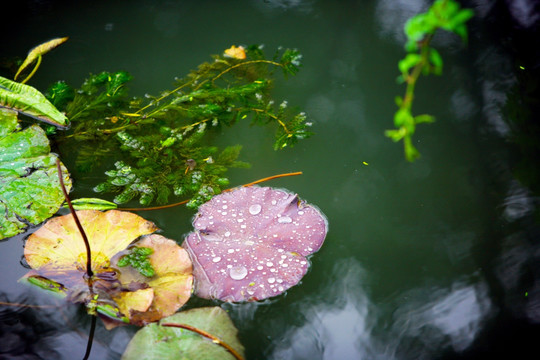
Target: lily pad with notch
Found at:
x=251, y=243
x=201, y=333
x=57, y=256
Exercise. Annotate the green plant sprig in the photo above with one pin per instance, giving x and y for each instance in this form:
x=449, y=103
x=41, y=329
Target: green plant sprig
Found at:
x=160, y=141
x=137, y=258
x=423, y=59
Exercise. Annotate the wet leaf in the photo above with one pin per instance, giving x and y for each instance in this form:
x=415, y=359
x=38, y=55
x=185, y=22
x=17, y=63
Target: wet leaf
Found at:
x=29, y=187
x=251, y=243
x=164, y=342
x=29, y=101
x=57, y=249
x=56, y=252
x=92, y=204
x=171, y=284
x=39, y=50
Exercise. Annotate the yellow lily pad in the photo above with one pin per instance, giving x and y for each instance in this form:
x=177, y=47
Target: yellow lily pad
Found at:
x=139, y=300
x=171, y=284
x=56, y=253
x=57, y=248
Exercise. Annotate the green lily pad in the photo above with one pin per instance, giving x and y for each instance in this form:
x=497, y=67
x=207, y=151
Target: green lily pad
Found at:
x=166, y=342
x=29, y=187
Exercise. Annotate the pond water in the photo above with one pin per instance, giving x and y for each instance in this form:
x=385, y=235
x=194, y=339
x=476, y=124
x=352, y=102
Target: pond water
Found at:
x=432, y=259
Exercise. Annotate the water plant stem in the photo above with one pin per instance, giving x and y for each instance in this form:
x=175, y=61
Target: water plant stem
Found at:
x=214, y=339
x=33, y=71
x=186, y=201
x=90, y=338
x=89, y=271
x=245, y=63
x=271, y=178
x=413, y=77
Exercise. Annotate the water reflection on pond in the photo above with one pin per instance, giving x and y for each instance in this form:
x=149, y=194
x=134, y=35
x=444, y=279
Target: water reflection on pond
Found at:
x=436, y=259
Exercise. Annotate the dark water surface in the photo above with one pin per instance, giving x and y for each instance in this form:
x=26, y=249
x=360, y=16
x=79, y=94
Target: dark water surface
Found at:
x=430, y=260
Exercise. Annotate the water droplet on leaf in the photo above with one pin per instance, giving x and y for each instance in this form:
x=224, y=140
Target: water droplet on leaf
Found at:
x=238, y=272
x=255, y=209
x=284, y=220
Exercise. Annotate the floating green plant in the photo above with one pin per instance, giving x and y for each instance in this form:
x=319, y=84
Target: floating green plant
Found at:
x=29, y=190
x=137, y=258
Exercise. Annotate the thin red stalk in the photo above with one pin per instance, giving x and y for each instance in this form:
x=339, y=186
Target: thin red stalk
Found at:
x=214, y=339
x=270, y=178
x=89, y=271
x=245, y=185
x=157, y=207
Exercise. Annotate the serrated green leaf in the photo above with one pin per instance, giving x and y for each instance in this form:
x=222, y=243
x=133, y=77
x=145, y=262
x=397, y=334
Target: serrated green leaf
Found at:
x=408, y=62
x=29, y=101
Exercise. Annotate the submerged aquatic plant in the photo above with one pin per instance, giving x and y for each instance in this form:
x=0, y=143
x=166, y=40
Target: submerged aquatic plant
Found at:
x=160, y=139
x=251, y=243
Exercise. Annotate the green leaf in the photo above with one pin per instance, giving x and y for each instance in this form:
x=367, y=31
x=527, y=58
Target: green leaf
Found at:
x=164, y=342
x=137, y=258
x=411, y=153
x=29, y=101
x=424, y=118
x=395, y=135
x=29, y=186
x=92, y=204
x=403, y=117
x=461, y=17
x=461, y=30
x=436, y=60
x=410, y=61
x=45, y=283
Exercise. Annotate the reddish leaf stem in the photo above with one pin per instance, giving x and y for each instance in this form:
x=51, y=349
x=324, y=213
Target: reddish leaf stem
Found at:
x=270, y=178
x=214, y=339
x=89, y=271
x=245, y=185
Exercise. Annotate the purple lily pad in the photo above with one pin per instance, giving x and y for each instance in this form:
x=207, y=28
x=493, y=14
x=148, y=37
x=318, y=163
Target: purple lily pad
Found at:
x=251, y=243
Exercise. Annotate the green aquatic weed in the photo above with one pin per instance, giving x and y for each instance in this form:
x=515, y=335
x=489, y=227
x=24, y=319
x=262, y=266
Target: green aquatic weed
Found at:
x=137, y=258
x=160, y=141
